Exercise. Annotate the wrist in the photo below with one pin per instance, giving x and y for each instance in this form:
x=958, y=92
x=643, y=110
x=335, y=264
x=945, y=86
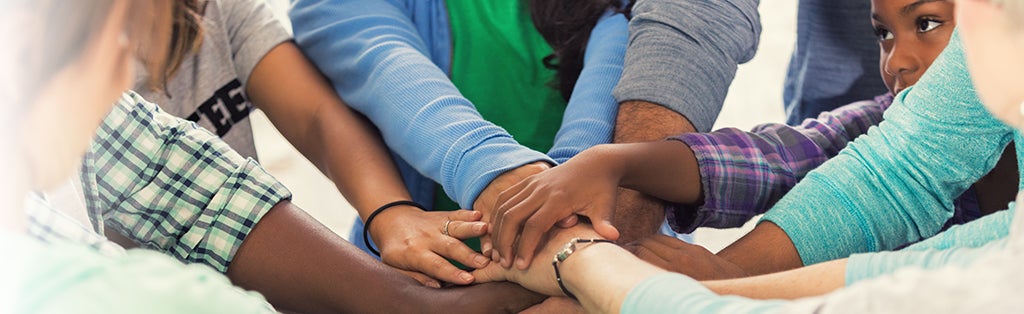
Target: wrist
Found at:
x=389, y=218
x=572, y=249
x=369, y=226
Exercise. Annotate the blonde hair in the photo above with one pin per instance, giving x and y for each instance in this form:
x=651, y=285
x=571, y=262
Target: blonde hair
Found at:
x=51, y=34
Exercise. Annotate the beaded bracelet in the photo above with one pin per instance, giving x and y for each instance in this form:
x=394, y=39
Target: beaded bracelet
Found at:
x=562, y=255
x=369, y=219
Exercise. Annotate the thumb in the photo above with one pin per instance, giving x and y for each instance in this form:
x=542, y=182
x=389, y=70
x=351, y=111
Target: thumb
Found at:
x=603, y=226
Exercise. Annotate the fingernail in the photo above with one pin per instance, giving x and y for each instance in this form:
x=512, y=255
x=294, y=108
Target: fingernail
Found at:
x=434, y=284
x=520, y=263
x=481, y=261
x=466, y=277
x=503, y=262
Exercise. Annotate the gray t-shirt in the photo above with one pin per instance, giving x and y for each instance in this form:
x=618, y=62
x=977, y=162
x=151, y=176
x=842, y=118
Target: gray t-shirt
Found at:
x=209, y=87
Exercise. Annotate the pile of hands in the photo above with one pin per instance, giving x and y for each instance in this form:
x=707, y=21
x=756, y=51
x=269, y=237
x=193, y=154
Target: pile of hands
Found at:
x=515, y=218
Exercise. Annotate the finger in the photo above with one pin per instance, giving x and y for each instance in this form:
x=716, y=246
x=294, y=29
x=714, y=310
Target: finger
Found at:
x=486, y=248
x=661, y=246
x=465, y=215
x=491, y=273
x=568, y=222
x=508, y=198
x=423, y=279
x=604, y=227
x=671, y=242
x=462, y=253
x=436, y=266
x=644, y=253
x=508, y=227
x=534, y=228
x=465, y=230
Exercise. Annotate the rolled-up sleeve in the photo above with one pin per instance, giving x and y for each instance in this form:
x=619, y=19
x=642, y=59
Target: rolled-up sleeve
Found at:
x=175, y=187
x=683, y=54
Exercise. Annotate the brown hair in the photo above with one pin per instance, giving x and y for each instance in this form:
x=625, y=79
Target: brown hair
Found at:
x=186, y=36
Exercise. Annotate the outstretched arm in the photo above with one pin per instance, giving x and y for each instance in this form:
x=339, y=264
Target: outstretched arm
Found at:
x=892, y=186
x=379, y=58
x=300, y=265
x=348, y=149
x=671, y=43
x=734, y=174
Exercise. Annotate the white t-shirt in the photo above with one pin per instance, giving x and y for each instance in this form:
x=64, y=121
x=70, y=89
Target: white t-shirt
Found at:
x=209, y=87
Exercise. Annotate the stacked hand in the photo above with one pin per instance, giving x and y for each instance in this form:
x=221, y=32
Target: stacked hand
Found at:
x=418, y=243
x=585, y=185
x=539, y=276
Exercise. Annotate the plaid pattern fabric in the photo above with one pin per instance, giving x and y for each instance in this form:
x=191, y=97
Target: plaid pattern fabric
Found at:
x=745, y=173
x=172, y=186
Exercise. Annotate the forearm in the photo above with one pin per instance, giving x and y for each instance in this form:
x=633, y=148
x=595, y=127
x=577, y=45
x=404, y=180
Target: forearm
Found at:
x=377, y=57
x=638, y=215
x=601, y=275
x=589, y=117
x=663, y=169
x=300, y=265
x=793, y=284
x=342, y=144
x=766, y=249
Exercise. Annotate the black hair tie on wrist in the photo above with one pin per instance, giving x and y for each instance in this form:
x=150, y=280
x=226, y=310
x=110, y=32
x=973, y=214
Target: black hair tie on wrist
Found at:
x=366, y=225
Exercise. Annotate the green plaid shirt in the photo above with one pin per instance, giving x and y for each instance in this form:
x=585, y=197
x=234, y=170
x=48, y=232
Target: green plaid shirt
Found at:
x=169, y=185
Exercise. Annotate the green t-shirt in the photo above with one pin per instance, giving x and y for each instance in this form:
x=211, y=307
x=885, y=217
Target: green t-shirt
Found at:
x=496, y=64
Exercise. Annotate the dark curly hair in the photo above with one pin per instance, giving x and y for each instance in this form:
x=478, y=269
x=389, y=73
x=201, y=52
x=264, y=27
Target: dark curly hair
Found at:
x=566, y=26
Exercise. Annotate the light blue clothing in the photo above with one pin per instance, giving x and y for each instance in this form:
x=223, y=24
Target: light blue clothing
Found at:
x=961, y=245
x=683, y=54
x=389, y=60
x=896, y=184
x=68, y=278
x=676, y=293
x=835, y=61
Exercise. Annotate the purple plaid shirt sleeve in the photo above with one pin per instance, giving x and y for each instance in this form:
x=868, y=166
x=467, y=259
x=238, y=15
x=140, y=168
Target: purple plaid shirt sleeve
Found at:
x=745, y=173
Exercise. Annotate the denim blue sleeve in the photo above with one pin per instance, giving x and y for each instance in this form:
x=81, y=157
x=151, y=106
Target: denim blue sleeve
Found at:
x=375, y=54
x=897, y=183
x=589, y=117
x=683, y=54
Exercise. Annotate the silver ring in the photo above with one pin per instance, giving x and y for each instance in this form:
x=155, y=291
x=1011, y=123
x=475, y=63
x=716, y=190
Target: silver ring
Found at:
x=444, y=230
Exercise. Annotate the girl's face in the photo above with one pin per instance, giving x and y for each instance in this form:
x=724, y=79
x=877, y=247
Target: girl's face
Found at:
x=911, y=34
x=994, y=45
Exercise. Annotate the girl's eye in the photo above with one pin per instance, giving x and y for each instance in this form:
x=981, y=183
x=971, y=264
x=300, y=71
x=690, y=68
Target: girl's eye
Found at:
x=883, y=34
x=924, y=26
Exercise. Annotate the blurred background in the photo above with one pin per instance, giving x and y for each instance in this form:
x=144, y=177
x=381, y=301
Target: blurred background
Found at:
x=755, y=97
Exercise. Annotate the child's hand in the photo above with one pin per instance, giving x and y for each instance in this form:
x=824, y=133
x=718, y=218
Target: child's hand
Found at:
x=585, y=185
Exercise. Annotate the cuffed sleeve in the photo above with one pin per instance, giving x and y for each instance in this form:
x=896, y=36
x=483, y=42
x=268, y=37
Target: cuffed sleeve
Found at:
x=172, y=186
x=683, y=54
